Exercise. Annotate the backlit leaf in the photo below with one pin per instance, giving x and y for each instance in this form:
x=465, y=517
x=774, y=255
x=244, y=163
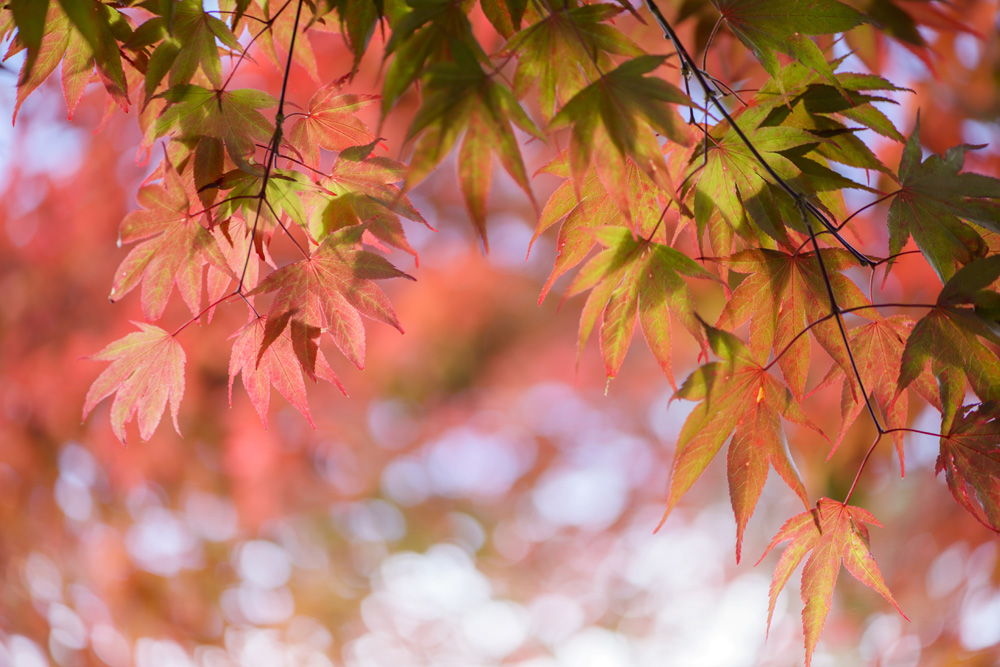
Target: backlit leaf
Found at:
x=832, y=533
x=146, y=371
x=738, y=398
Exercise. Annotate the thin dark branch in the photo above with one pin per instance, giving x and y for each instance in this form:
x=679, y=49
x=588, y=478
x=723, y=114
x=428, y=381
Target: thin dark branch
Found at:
x=713, y=98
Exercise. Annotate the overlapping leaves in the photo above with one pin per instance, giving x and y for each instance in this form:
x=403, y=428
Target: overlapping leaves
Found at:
x=739, y=398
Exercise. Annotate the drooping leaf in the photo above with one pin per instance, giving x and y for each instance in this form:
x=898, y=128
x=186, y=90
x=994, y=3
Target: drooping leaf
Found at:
x=933, y=202
x=277, y=366
x=358, y=19
x=641, y=279
x=327, y=293
x=970, y=454
x=832, y=533
x=783, y=294
x=948, y=336
x=433, y=31
x=461, y=95
x=768, y=27
x=737, y=397
x=878, y=349
x=147, y=370
x=505, y=15
x=618, y=116
x=175, y=255
x=63, y=42
x=560, y=53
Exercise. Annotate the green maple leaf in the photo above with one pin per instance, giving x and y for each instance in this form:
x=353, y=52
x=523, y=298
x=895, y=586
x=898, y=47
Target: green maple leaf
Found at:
x=358, y=19
x=31, y=17
x=328, y=292
x=768, y=27
x=634, y=278
x=433, y=31
x=738, y=397
x=617, y=117
x=282, y=197
x=79, y=34
x=782, y=295
x=797, y=99
x=729, y=182
x=330, y=123
x=231, y=117
x=933, y=202
x=175, y=252
x=948, y=337
x=364, y=192
x=562, y=52
x=276, y=366
x=457, y=96
x=832, y=533
x=186, y=38
x=146, y=371
x=582, y=208
x=505, y=15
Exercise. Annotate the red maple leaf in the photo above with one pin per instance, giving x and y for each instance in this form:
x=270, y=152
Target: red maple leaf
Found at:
x=328, y=292
x=147, y=370
x=180, y=247
x=834, y=533
x=276, y=366
x=330, y=123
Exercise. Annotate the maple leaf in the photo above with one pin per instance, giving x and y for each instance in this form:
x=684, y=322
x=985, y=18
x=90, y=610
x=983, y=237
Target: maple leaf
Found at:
x=186, y=38
x=363, y=192
x=328, y=292
x=582, y=208
x=147, y=370
x=729, y=181
x=832, y=533
x=737, y=397
x=878, y=348
x=330, y=123
x=635, y=277
x=282, y=27
x=782, y=295
x=615, y=117
x=948, y=337
x=357, y=24
x=180, y=247
x=461, y=95
x=567, y=34
x=433, y=31
x=282, y=198
x=933, y=200
x=276, y=366
x=767, y=27
x=505, y=15
x=970, y=455
x=79, y=34
x=798, y=100
x=231, y=117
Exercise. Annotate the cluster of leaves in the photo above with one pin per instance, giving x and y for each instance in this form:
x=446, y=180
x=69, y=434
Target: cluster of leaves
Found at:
x=649, y=174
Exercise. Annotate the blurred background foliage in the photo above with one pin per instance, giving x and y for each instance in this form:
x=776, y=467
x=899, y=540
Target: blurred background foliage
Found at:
x=478, y=500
